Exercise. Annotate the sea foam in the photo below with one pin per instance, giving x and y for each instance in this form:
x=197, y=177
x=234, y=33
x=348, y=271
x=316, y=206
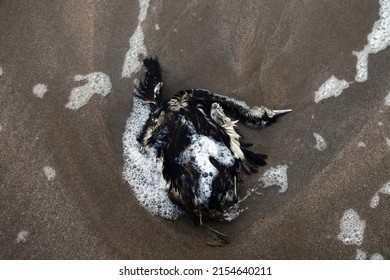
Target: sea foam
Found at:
x=332, y=87
x=141, y=170
x=387, y=99
x=22, y=236
x=361, y=145
x=132, y=63
x=97, y=83
x=275, y=176
x=361, y=255
x=39, y=90
x=351, y=228
x=320, y=142
x=385, y=189
x=378, y=40
x=49, y=172
x=376, y=256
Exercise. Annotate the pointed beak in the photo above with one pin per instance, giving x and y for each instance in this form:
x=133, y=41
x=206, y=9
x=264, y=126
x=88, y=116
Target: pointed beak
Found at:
x=281, y=112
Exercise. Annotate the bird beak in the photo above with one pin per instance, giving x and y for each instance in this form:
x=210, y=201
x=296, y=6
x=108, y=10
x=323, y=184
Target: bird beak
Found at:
x=281, y=112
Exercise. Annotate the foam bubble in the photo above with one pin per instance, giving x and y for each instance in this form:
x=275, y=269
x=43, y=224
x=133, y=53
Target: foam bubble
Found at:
x=374, y=202
x=132, y=63
x=141, y=171
x=351, y=228
x=362, y=64
x=97, y=83
x=22, y=236
x=378, y=40
x=275, y=176
x=157, y=26
x=39, y=90
x=320, y=142
x=199, y=152
x=385, y=189
x=50, y=173
x=387, y=100
x=361, y=145
x=376, y=256
x=332, y=87
x=360, y=255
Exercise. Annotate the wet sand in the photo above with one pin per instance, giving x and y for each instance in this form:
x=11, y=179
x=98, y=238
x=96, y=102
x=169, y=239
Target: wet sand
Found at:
x=272, y=53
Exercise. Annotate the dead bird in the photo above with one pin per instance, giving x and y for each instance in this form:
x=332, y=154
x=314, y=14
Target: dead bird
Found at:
x=198, y=148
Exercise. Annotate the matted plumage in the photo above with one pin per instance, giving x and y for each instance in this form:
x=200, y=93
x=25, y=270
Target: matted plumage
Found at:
x=198, y=147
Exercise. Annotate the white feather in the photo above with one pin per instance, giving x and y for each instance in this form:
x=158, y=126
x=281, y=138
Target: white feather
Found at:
x=218, y=115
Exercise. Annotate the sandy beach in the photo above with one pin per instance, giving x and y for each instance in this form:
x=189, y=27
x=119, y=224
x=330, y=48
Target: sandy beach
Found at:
x=67, y=72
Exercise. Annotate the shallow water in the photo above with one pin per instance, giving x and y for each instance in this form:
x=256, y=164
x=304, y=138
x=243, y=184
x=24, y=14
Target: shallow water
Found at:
x=269, y=53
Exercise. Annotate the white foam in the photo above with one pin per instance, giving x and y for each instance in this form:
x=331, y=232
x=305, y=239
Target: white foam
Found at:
x=132, y=63
x=385, y=189
x=376, y=256
x=157, y=26
x=199, y=152
x=360, y=255
x=378, y=40
x=50, y=173
x=320, y=142
x=351, y=228
x=362, y=64
x=22, y=236
x=374, y=202
x=141, y=171
x=361, y=145
x=332, y=87
x=97, y=83
x=275, y=176
x=387, y=99
x=39, y=90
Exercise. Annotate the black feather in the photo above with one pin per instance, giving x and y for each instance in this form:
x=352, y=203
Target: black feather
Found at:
x=152, y=78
